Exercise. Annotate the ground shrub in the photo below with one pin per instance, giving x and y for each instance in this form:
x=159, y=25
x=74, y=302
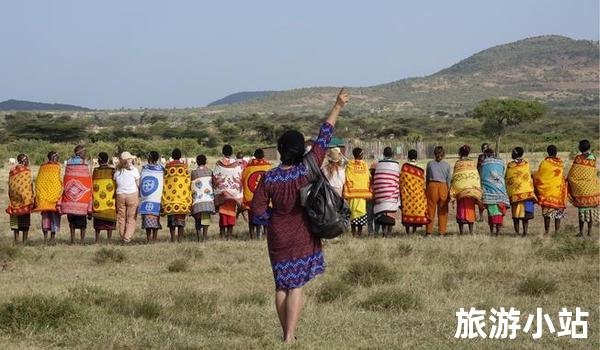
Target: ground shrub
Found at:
x=104, y=255
x=391, y=300
x=178, y=265
x=368, y=273
x=536, y=286
x=333, y=290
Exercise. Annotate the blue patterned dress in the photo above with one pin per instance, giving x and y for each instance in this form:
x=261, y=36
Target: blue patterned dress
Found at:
x=296, y=255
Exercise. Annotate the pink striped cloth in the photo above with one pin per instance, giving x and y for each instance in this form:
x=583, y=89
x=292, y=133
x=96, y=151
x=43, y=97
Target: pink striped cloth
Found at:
x=386, y=186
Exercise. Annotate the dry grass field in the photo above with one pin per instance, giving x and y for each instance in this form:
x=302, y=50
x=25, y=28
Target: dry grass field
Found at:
x=396, y=293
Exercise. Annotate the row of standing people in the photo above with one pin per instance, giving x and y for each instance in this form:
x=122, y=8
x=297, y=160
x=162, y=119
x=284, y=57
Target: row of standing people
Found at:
x=114, y=196
x=376, y=193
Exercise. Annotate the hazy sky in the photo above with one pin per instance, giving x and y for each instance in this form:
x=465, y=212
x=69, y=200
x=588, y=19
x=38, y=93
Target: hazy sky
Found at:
x=146, y=53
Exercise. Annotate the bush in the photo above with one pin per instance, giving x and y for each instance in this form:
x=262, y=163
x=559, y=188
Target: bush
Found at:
x=9, y=252
x=38, y=312
x=333, y=290
x=393, y=300
x=536, y=286
x=368, y=273
x=178, y=265
x=404, y=249
x=251, y=299
x=119, y=303
x=569, y=248
x=104, y=255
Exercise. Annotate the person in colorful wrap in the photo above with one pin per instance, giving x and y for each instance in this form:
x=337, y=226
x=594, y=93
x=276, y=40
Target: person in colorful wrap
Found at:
x=438, y=180
x=493, y=186
x=203, y=198
x=77, y=195
x=584, y=187
x=48, y=193
x=296, y=255
x=175, y=221
x=480, y=159
x=151, y=188
x=20, y=197
x=251, y=176
x=465, y=189
x=386, y=192
x=127, y=177
x=551, y=189
x=357, y=190
x=104, y=207
x=227, y=183
x=519, y=186
x=412, y=194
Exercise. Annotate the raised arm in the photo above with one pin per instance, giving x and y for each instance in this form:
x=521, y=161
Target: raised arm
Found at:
x=341, y=100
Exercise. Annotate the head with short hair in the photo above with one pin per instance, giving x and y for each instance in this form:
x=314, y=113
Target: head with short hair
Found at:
x=176, y=154
x=52, y=156
x=23, y=159
x=412, y=154
x=290, y=146
x=239, y=155
x=388, y=152
x=484, y=146
x=227, y=150
x=517, y=152
x=552, y=151
x=201, y=159
x=464, y=151
x=489, y=152
x=357, y=152
x=153, y=157
x=102, y=158
x=259, y=153
x=584, y=146
x=439, y=153
x=79, y=151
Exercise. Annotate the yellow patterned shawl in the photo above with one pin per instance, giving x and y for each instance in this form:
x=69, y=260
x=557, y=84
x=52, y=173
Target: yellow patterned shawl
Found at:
x=358, y=180
x=465, y=181
x=20, y=191
x=104, y=187
x=48, y=187
x=177, y=196
x=550, y=184
x=584, y=187
x=519, y=183
x=412, y=194
x=251, y=176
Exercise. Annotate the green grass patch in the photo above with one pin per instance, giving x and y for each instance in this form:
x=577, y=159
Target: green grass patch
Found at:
x=568, y=248
x=9, y=252
x=333, y=290
x=119, y=303
x=368, y=273
x=178, y=265
x=40, y=312
x=251, y=299
x=104, y=255
x=536, y=286
x=391, y=300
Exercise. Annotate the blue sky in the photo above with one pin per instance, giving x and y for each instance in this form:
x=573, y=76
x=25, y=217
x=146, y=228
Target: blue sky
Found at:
x=112, y=54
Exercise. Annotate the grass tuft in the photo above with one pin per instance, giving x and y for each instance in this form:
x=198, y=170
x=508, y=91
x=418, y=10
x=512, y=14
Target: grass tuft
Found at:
x=333, y=290
x=368, y=273
x=391, y=300
x=536, y=286
x=9, y=252
x=251, y=299
x=404, y=249
x=178, y=265
x=104, y=255
x=568, y=248
x=39, y=312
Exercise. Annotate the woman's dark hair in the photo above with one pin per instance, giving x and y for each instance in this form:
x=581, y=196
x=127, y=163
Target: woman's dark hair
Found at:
x=357, y=152
x=78, y=150
x=552, y=151
x=103, y=157
x=153, y=156
x=239, y=155
x=259, y=153
x=176, y=154
x=484, y=146
x=412, y=154
x=584, y=145
x=387, y=152
x=464, y=151
x=51, y=155
x=227, y=150
x=439, y=152
x=201, y=159
x=489, y=152
x=517, y=152
x=290, y=146
x=21, y=158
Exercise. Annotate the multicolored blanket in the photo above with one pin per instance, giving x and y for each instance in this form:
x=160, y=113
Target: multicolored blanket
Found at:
x=251, y=176
x=584, y=187
x=77, y=194
x=492, y=182
x=358, y=180
x=151, y=189
x=412, y=194
x=550, y=184
x=386, y=186
x=20, y=191
x=48, y=187
x=203, y=198
x=227, y=181
x=104, y=186
x=176, y=195
x=465, y=180
x=519, y=183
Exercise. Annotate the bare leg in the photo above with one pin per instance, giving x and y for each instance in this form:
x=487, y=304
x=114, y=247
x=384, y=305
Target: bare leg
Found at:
x=360, y=228
x=16, y=234
x=498, y=226
x=97, y=236
x=52, y=237
x=72, y=230
x=172, y=232
x=45, y=236
x=148, y=235
x=229, y=232
x=109, y=234
x=204, y=233
x=221, y=233
x=460, y=228
x=546, y=225
x=294, y=303
x=491, y=229
x=525, y=227
x=581, y=224
x=407, y=228
x=26, y=233
x=471, y=228
x=556, y=225
x=179, y=233
x=516, y=225
x=154, y=234
x=414, y=230
x=280, y=296
x=590, y=228
x=251, y=231
x=82, y=236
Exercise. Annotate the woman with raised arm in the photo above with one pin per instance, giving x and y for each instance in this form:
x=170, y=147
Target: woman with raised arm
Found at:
x=295, y=254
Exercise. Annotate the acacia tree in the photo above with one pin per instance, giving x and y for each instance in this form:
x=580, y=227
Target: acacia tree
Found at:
x=500, y=115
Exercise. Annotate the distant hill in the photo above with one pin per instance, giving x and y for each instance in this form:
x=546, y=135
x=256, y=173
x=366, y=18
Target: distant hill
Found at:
x=557, y=70
x=240, y=97
x=18, y=105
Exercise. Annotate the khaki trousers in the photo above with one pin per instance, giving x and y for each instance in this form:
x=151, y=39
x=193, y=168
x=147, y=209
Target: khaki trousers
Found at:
x=127, y=205
x=437, y=198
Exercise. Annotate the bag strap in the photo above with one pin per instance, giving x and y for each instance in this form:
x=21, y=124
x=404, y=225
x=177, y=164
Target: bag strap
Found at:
x=314, y=172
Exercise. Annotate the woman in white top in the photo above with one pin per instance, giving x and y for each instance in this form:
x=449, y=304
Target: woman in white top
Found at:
x=127, y=178
x=334, y=169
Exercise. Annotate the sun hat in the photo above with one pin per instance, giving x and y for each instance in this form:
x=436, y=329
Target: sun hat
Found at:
x=126, y=155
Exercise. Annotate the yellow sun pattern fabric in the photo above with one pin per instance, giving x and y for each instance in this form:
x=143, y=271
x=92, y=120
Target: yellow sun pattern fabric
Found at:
x=48, y=187
x=104, y=188
x=177, y=196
